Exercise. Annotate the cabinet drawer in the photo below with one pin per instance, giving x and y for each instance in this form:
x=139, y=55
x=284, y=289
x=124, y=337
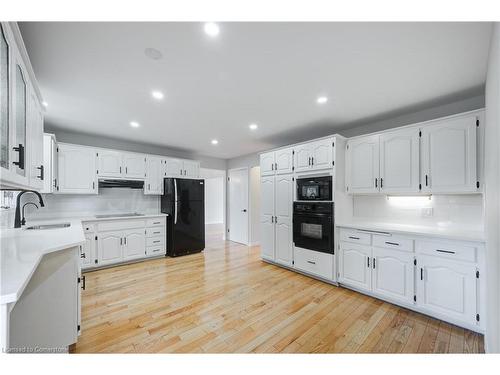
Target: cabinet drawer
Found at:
x=352, y=235
x=155, y=231
x=155, y=241
x=88, y=228
x=314, y=262
x=393, y=242
x=449, y=250
x=120, y=224
x=155, y=250
x=154, y=222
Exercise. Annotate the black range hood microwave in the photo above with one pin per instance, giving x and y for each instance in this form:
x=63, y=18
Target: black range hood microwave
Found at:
x=130, y=184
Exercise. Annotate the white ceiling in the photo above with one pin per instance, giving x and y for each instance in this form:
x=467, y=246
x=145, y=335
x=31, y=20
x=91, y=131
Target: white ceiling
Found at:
x=96, y=77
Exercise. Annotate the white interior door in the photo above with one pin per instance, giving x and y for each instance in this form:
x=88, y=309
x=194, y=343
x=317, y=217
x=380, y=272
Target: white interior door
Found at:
x=238, y=205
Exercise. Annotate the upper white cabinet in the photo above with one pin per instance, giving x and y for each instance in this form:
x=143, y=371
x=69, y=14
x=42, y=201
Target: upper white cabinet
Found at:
x=181, y=168
x=362, y=169
x=21, y=115
x=49, y=164
x=436, y=157
x=117, y=164
x=449, y=156
x=191, y=168
x=76, y=169
x=315, y=155
x=399, y=161
x=276, y=162
x=154, y=175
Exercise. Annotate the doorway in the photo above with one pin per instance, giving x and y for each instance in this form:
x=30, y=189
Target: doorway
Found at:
x=238, y=205
x=215, y=205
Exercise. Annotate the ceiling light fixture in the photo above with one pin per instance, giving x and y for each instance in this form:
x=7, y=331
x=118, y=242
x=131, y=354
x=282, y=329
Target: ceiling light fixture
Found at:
x=215, y=141
x=158, y=95
x=134, y=124
x=321, y=100
x=153, y=53
x=253, y=126
x=45, y=104
x=211, y=29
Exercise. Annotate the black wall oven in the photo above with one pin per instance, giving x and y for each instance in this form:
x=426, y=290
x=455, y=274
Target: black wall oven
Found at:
x=314, y=188
x=313, y=226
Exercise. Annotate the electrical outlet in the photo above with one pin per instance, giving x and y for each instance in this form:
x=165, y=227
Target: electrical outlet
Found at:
x=427, y=212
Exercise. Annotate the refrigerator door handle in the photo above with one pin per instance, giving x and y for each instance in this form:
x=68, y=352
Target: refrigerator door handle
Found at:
x=175, y=201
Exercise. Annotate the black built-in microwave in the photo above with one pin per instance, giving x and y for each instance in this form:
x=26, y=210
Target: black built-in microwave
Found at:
x=314, y=188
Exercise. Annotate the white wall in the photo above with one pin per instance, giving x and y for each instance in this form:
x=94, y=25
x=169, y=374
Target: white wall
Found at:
x=214, y=200
x=492, y=193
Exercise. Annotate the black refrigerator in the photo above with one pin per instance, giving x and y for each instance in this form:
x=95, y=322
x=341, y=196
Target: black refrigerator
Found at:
x=184, y=201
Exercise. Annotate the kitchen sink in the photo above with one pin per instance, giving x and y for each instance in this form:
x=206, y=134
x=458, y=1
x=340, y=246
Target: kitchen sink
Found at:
x=49, y=226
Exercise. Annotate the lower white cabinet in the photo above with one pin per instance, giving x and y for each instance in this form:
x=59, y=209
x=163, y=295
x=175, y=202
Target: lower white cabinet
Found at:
x=393, y=274
x=314, y=262
x=134, y=244
x=447, y=288
x=87, y=251
x=355, y=265
x=109, y=247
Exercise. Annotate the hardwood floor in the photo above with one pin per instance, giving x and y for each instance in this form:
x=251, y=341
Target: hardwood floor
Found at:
x=226, y=300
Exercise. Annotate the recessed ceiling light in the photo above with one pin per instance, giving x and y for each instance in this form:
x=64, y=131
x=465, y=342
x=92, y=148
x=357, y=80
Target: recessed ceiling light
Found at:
x=45, y=104
x=321, y=100
x=211, y=29
x=253, y=126
x=153, y=53
x=215, y=141
x=158, y=95
x=134, y=124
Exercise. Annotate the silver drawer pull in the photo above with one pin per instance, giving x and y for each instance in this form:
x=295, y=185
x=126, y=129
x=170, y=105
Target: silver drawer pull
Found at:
x=392, y=243
x=354, y=238
x=311, y=262
x=156, y=232
x=156, y=241
x=157, y=222
x=445, y=251
x=154, y=251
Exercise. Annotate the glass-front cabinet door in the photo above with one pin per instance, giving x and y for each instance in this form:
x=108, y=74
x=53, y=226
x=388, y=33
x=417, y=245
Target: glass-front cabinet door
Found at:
x=19, y=146
x=4, y=100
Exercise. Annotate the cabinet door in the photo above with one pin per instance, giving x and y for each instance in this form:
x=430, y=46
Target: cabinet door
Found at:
x=284, y=161
x=109, y=163
x=5, y=99
x=87, y=251
x=173, y=167
x=447, y=288
x=355, y=265
x=154, y=176
x=37, y=168
x=283, y=213
x=134, y=244
x=191, y=168
x=322, y=154
x=362, y=170
x=303, y=155
x=392, y=274
x=135, y=165
x=267, y=164
x=449, y=156
x=76, y=170
x=267, y=218
x=18, y=150
x=109, y=248
x=399, y=161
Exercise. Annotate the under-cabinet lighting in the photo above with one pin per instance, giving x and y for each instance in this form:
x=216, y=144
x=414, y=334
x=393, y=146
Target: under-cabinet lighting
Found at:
x=418, y=201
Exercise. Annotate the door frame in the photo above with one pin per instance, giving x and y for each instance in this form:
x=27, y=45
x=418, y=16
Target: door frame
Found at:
x=228, y=181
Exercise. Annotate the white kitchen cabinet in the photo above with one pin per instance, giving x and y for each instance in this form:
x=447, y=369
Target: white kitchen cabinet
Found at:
x=35, y=143
x=399, y=161
x=314, y=262
x=182, y=168
x=267, y=163
x=449, y=156
x=154, y=176
x=191, y=168
x=316, y=155
x=447, y=288
x=173, y=167
x=362, y=171
x=76, y=169
x=283, y=219
x=109, y=247
x=355, y=265
x=393, y=274
x=5, y=102
x=134, y=244
x=49, y=164
x=87, y=251
x=302, y=159
x=109, y=163
x=134, y=165
x=267, y=242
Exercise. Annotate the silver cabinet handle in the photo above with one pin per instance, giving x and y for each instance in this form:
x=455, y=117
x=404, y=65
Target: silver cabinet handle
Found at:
x=392, y=243
x=121, y=241
x=157, y=222
x=354, y=238
x=445, y=251
x=120, y=169
x=125, y=240
x=156, y=241
x=156, y=232
x=312, y=160
x=156, y=250
x=311, y=262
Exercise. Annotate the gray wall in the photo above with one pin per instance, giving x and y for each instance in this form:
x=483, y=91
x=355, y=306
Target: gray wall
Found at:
x=104, y=142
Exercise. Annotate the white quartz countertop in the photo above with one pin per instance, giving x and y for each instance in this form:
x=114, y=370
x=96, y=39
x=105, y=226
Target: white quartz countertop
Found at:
x=445, y=232
x=141, y=216
x=22, y=250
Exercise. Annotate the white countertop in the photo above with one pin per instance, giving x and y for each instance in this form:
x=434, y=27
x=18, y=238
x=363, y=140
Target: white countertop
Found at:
x=445, y=232
x=21, y=252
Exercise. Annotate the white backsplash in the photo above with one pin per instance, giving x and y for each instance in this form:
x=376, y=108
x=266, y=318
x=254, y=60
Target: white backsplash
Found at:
x=460, y=211
x=114, y=200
